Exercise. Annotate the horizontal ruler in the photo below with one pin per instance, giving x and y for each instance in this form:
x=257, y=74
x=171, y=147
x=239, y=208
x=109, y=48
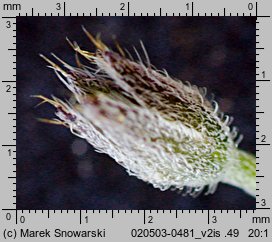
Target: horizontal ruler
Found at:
x=127, y=224
x=131, y=8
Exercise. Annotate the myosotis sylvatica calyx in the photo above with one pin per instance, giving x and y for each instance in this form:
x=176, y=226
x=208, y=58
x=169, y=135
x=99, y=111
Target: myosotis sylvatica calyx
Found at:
x=162, y=130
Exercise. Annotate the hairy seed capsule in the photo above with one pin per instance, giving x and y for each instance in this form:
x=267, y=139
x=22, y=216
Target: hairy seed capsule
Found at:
x=163, y=131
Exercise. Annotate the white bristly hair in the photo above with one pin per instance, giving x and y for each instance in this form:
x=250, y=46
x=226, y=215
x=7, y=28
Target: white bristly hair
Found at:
x=163, y=131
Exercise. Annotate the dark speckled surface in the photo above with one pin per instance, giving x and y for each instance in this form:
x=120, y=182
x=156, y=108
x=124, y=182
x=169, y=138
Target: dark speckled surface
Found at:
x=57, y=170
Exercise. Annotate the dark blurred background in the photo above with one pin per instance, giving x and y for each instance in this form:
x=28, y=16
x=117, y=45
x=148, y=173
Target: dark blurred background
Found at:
x=56, y=170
